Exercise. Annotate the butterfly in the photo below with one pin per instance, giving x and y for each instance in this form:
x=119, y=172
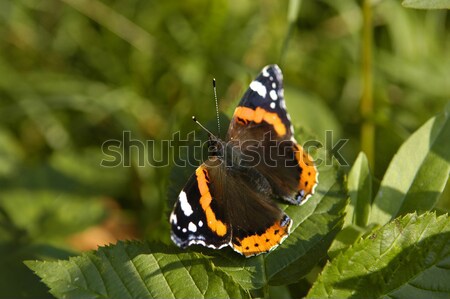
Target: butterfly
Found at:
x=230, y=200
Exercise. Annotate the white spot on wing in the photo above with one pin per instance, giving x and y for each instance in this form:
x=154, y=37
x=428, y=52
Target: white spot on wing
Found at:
x=184, y=230
x=192, y=227
x=200, y=223
x=259, y=88
x=265, y=72
x=278, y=72
x=173, y=218
x=273, y=95
x=283, y=104
x=272, y=105
x=185, y=206
x=274, y=85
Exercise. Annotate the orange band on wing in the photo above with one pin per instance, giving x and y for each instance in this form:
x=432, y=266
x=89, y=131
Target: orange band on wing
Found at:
x=308, y=177
x=214, y=224
x=270, y=239
x=258, y=115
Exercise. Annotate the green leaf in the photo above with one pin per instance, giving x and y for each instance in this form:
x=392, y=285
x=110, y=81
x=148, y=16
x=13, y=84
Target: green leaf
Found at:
x=344, y=239
x=417, y=174
x=136, y=270
x=280, y=292
x=49, y=215
x=16, y=280
x=293, y=10
x=300, y=103
x=360, y=191
x=427, y=4
x=315, y=224
x=407, y=258
x=11, y=153
x=357, y=211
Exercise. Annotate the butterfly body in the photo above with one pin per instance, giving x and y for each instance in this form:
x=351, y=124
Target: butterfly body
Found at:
x=230, y=200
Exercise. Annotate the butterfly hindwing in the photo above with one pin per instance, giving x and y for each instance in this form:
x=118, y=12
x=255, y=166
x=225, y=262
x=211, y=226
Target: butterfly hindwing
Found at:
x=257, y=224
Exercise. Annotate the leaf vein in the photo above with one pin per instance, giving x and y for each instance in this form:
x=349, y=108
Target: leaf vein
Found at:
x=117, y=274
x=105, y=286
x=162, y=273
x=138, y=273
x=190, y=276
x=86, y=280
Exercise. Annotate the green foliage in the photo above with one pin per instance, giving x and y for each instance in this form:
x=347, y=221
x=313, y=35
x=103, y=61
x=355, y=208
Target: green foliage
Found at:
x=74, y=74
x=417, y=174
x=46, y=216
x=314, y=227
x=427, y=4
x=136, y=270
x=407, y=258
x=357, y=211
x=414, y=181
x=16, y=280
x=360, y=191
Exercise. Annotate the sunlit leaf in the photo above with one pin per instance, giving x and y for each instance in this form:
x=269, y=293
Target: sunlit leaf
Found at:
x=417, y=174
x=407, y=258
x=136, y=270
x=359, y=185
x=360, y=191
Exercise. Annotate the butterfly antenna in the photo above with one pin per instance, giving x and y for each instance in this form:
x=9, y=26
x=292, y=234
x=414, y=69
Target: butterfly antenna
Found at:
x=217, y=105
x=198, y=123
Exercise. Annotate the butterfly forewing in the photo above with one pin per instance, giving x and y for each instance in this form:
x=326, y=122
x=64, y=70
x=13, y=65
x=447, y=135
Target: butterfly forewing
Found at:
x=196, y=217
x=261, y=126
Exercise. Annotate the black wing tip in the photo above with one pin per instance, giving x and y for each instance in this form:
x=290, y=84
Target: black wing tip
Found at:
x=272, y=70
x=273, y=66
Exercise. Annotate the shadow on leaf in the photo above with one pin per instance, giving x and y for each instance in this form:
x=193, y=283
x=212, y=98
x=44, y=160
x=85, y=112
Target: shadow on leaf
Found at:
x=415, y=272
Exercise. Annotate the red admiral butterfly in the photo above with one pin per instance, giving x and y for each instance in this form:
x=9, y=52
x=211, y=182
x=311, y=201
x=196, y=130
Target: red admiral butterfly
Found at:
x=229, y=199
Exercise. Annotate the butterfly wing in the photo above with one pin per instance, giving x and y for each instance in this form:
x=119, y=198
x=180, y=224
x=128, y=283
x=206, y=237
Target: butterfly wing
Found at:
x=197, y=218
x=262, y=105
x=235, y=208
x=230, y=204
x=261, y=126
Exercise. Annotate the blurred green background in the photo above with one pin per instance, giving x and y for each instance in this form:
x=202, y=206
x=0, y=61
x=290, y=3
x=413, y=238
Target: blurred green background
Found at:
x=75, y=73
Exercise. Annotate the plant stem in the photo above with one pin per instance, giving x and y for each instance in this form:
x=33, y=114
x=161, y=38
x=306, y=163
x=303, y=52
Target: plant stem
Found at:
x=368, y=127
x=293, y=11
